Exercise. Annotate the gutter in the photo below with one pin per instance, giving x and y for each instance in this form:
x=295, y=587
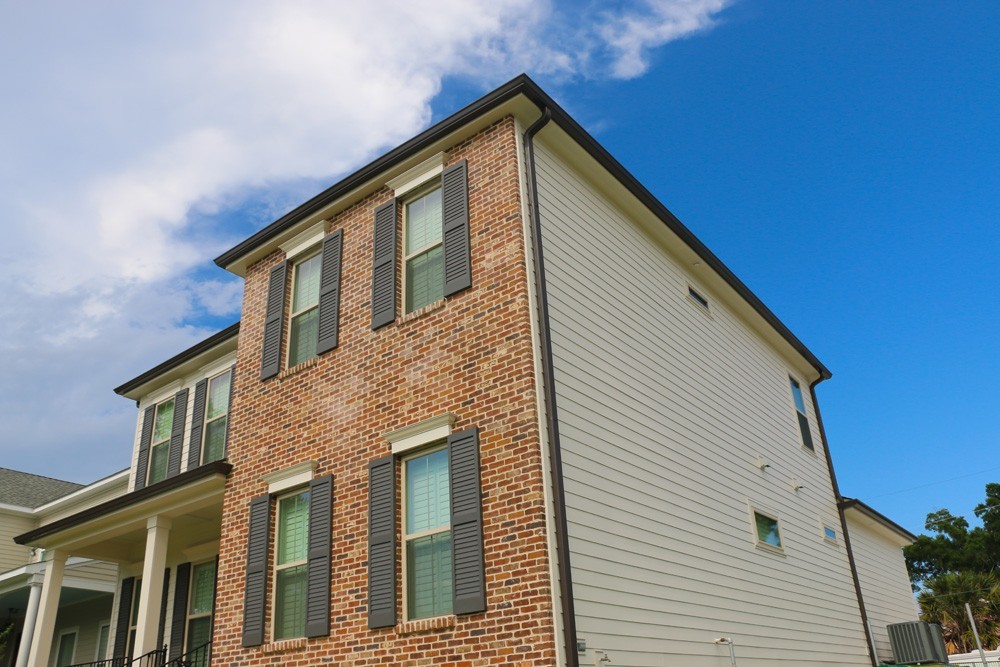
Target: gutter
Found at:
x=549, y=388
x=837, y=498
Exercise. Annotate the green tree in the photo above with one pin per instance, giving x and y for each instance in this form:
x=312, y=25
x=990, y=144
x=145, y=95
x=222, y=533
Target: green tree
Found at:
x=942, y=600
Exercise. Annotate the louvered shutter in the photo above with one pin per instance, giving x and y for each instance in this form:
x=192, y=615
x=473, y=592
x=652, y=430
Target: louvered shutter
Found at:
x=384, y=266
x=468, y=566
x=270, y=361
x=177, y=433
x=455, y=220
x=382, y=543
x=255, y=597
x=318, y=568
x=197, y=424
x=329, y=292
x=177, y=620
x=144, y=441
x=124, y=615
x=163, y=608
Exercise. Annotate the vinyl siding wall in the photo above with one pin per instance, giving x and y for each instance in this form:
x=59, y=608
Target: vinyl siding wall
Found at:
x=885, y=584
x=663, y=410
x=13, y=555
x=87, y=618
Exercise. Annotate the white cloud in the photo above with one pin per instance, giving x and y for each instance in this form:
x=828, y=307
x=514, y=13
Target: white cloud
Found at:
x=128, y=126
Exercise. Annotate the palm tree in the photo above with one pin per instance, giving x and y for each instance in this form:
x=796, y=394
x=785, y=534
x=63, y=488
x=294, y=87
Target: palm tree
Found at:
x=943, y=599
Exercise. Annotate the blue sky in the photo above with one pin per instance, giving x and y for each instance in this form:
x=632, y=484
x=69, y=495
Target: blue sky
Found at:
x=841, y=158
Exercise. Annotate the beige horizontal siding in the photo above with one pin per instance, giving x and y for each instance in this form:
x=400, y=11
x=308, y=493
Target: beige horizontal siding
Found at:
x=13, y=555
x=663, y=410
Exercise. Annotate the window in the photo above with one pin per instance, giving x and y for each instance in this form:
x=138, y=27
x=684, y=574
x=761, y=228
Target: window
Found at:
x=216, y=417
x=199, y=613
x=767, y=533
x=291, y=551
x=134, y=617
x=159, y=448
x=66, y=652
x=697, y=298
x=800, y=409
x=427, y=535
x=303, y=327
x=102, y=641
x=424, y=257
x=829, y=534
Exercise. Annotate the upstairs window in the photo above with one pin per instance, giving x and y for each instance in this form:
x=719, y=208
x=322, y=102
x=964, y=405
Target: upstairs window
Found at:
x=217, y=417
x=303, y=327
x=424, y=258
x=427, y=535
x=291, y=554
x=767, y=531
x=800, y=409
x=159, y=448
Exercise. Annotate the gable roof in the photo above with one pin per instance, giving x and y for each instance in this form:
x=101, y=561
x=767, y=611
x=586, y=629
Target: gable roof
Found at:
x=878, y=517
x=26, y=490
x=521, y=85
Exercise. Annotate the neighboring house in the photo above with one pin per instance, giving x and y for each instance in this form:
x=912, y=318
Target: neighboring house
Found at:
x=877, y=544
x=80, y=633
x=489, y=402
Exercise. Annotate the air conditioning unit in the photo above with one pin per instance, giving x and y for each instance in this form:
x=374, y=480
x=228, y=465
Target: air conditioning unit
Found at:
x=917, y=642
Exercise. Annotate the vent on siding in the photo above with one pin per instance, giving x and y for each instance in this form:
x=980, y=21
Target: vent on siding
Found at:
x=697, y=298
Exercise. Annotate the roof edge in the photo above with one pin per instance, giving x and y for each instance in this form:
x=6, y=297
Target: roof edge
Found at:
x=872, y=513
x=178, y=359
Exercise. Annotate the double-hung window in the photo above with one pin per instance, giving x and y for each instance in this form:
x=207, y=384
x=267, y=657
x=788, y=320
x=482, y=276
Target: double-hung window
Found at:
x=427, y=535
x=199, y=612
x=291, y=551
x=216, y=417
x=159, y=448
x=424, y=259
x=303, y=325
x=800, y=410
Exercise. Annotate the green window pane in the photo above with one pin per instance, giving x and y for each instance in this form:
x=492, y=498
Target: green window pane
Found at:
x=305, y=291
x=102, y=642
x=158, y=462
x=423, y=221
x=293, y=528
x=428, y=576
x=767, y=530
x=199, y=633
x=164, y=421
x=67, y=647
x=215, y=440
x=218, y=396
x=202, y=589
x=304, y=337
x=428, y=503
x=424, y=279
x=290, y=603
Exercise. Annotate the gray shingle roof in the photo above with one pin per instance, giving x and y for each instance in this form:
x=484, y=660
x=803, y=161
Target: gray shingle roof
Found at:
x=26, y=490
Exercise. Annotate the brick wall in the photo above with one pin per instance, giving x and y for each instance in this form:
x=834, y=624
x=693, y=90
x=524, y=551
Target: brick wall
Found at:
x=471, y=356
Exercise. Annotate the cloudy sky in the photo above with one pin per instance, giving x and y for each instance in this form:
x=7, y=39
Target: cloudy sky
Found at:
x=841, y=159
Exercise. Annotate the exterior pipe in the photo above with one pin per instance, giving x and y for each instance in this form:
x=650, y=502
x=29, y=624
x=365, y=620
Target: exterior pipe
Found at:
x=865, y=623
x=548, y=383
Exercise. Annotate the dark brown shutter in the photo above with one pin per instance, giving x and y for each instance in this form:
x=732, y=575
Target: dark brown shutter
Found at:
x=455, y=220
x=807, y=438
x=177, y=433
x=179, y=617
x=163, y=608
x=384, y=266
x=255, y=594
x=329, y=292
x=124, y=616
x=318, y=568
x=270, y=361
x=197, y=424
x=144, y=441
x=382, y=543
x=468, y=566
x=229, y=410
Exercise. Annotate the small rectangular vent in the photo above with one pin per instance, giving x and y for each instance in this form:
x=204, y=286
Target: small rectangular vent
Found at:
x=698, y=298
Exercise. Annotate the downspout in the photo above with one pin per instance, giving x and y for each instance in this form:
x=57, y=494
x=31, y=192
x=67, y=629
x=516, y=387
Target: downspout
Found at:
x=548, y=383
x=843, y=525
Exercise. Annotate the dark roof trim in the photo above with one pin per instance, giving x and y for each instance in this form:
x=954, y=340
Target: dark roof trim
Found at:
x=129, y=499
x=175, y=361
x=848, y=503
x=523, y=85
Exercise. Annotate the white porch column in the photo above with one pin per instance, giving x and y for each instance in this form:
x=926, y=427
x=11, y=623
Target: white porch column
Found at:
x=34, y=596
x=48, y=607
x=148, y=623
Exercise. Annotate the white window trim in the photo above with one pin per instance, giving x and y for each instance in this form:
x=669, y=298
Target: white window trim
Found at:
x=421, y=434
x=285, y=566
x=304, y=241
x=76, y=642
x=289, y=478
x=826, y=538
x=414, y=177
x=760, y=544
x=423, y=249
x=313, y=252
x=406, y=537
x=188, y=616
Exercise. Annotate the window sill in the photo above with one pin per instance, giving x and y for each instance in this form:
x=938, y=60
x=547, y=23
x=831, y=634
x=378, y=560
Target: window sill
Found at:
x=767, y=548
x=298, y=368
x=429, y=308
x=426, y=625
x=284, y=646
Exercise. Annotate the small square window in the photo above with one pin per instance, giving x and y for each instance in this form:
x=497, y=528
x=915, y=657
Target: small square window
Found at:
x=767, y=531
x=829, y=534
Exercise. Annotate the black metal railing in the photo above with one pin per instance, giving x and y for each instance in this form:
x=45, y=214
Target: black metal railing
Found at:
x=108, y=662
x=155, y=658
x=196, y=657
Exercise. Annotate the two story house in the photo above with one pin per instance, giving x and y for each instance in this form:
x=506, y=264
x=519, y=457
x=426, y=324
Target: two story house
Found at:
x=489, y=403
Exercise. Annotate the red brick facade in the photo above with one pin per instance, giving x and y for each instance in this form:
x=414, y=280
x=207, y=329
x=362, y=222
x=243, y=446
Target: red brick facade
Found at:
x=470, y=355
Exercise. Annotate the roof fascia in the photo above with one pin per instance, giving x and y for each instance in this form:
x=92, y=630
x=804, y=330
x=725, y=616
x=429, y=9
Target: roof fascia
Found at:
x=879, y=518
